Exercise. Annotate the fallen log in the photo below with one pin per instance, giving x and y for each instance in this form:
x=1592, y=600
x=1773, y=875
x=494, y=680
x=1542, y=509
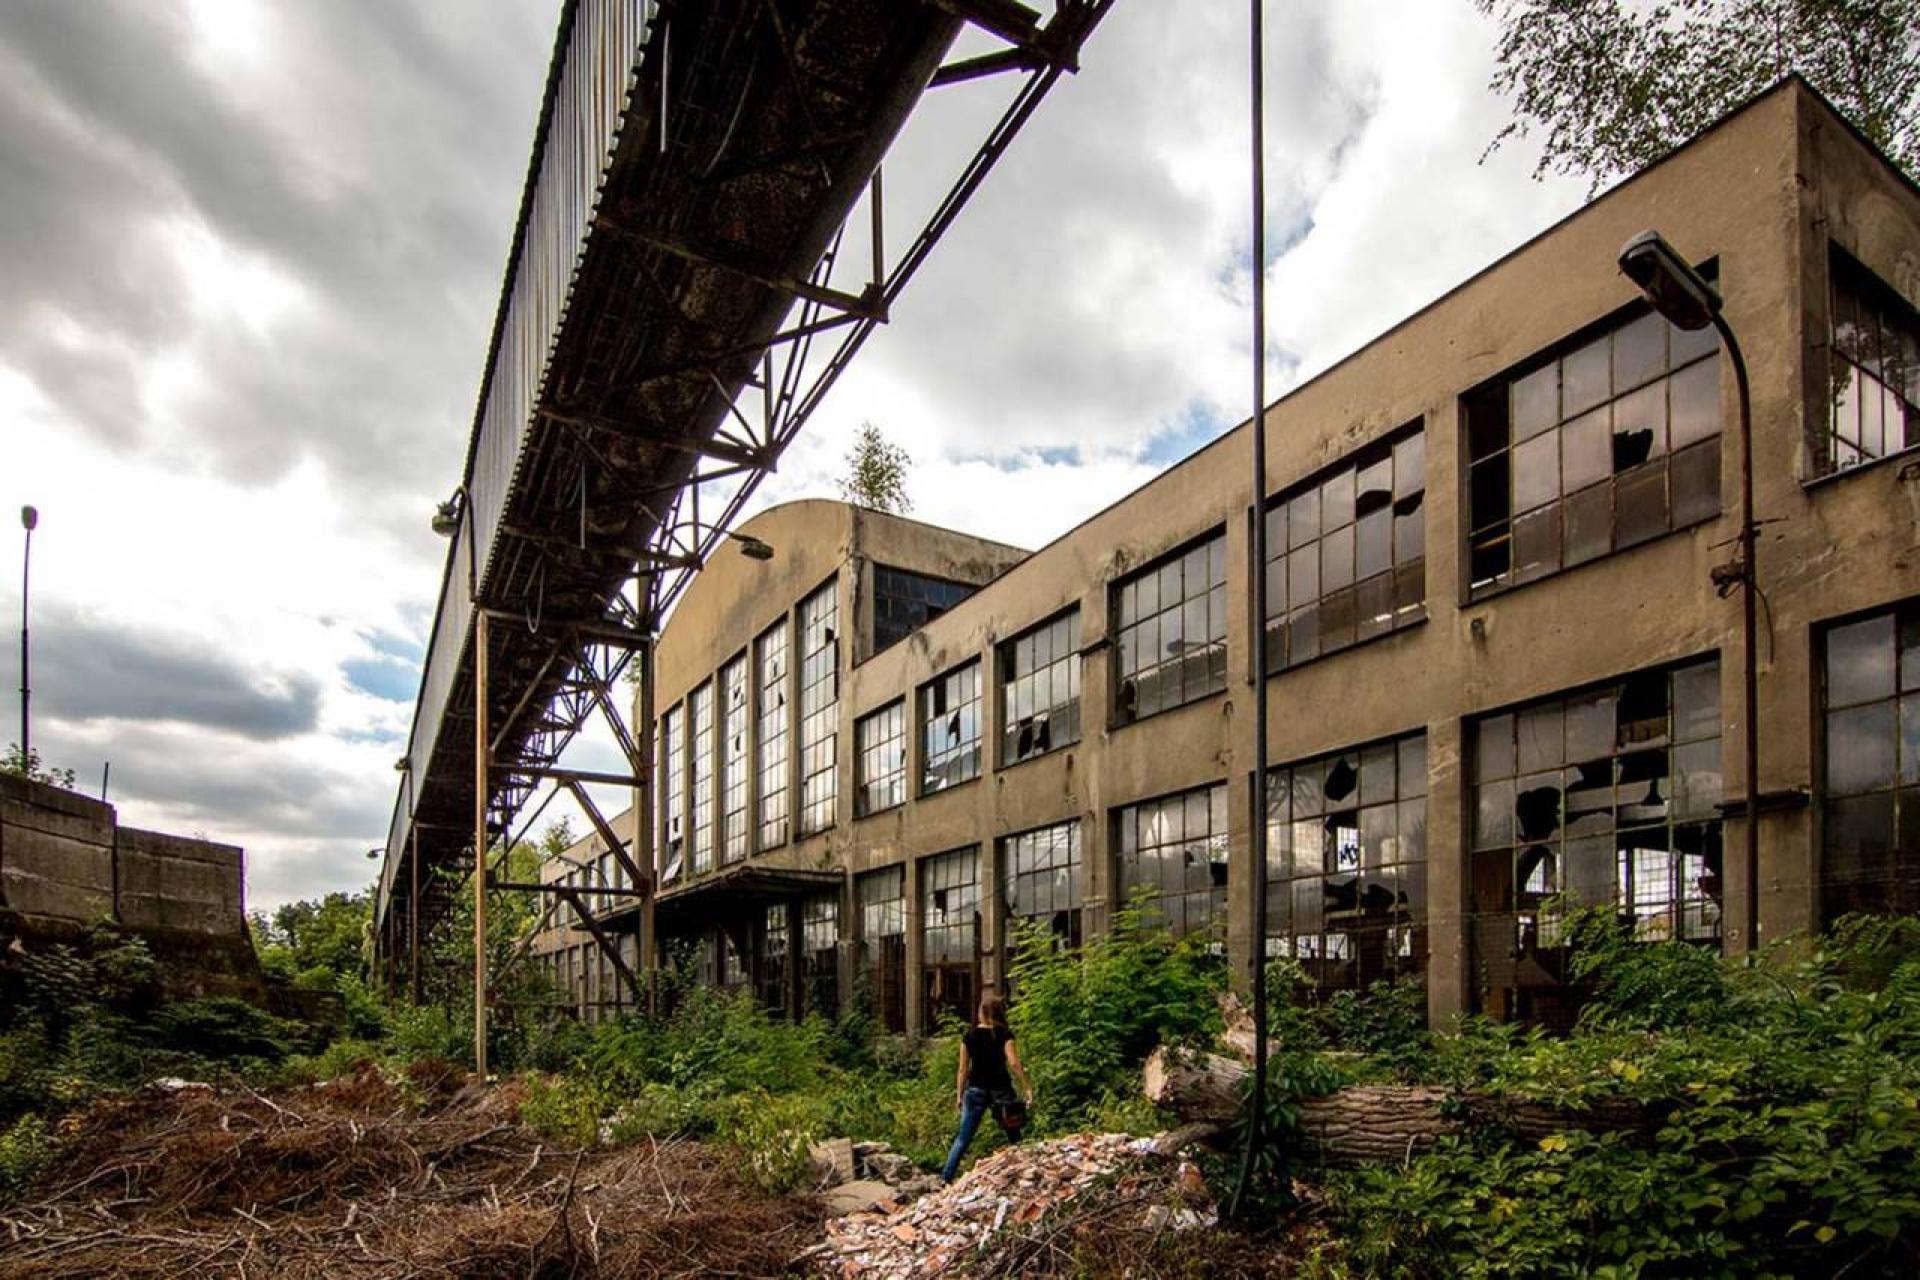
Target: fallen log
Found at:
x=1363, y=1124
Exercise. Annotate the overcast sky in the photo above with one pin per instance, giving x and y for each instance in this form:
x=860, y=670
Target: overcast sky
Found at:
x=249, y=254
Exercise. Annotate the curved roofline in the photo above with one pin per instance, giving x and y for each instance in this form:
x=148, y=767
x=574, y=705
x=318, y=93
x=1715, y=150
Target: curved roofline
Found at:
x=855, y=509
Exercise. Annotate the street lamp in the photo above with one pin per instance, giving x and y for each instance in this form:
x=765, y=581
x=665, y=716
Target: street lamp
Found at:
x=1679, y=293
x=751, y=547
x=447, y=519
x=29, y=520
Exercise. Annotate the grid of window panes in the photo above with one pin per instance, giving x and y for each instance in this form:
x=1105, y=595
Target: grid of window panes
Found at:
x=1347, y=863
x=1346, y=555
x=733, y=760
x=882, y=899
x=1175, y=849
x=1040, y=689
x=1874, y=362
x=1171, y=639
x=1040, y=879
x=700, y=711
x=1610, y=796
x=819, y=953
x=880, y=751
x=819, y=708
x=770, y=977
x=904, y=602
x=1870, y=796
x=1604, y=446
x=770, y=655
x=673, y=760
x=950, y=906
x=950, y=729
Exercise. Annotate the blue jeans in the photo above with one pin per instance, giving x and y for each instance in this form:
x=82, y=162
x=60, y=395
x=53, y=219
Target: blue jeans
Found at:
x=973, y=1106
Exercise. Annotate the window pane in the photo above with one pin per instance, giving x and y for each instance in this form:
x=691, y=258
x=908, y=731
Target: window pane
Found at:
x=1694, y=403
x=1639, y=351
x=1860, y=749
x=1860, y=661
x=1639, y=427
x=1536, y=472
x=1640, y=503
x=1373, y=543
x=1587, y=377
x=1536, y=543
x=1696, y=483
x=1336, y=559
x=1586, y=449
x=1536, y=402
x=1589, y=524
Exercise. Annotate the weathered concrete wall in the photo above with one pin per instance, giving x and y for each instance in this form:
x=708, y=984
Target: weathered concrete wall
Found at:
x=66, y=857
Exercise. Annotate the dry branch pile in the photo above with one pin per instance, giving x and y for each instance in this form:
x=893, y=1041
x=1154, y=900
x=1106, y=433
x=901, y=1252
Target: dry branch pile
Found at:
x=358, y=1178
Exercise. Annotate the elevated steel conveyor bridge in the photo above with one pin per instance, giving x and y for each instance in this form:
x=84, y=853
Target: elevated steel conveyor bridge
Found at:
x=673, y=311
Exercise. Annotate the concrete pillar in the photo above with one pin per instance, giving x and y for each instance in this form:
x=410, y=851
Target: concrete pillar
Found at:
x=1096, y=703
x=916, y=951
x=1449, y=896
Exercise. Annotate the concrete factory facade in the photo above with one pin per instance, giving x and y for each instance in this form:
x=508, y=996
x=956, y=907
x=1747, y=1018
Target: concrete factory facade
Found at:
x=1497, y=664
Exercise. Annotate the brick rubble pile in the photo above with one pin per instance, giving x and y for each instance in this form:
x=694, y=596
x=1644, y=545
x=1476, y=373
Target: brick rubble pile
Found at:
x=1012, y=1187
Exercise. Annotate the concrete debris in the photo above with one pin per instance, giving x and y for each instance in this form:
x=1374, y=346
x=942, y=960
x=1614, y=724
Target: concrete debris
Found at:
x=1008, y=1189
x=859, y=1176
x=833, y=1161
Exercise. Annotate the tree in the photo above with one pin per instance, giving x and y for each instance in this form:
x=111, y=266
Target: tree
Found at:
x=1615, y=85
x=26, y=764
x=877, y=472
x=317, y=941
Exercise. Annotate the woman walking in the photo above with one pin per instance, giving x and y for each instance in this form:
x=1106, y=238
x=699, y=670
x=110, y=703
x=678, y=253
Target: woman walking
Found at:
x=987, y=1053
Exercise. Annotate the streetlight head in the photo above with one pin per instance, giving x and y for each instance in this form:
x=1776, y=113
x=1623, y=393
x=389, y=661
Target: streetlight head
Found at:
x=446, y=517
x=753, y=548
x=403, y=765
x=29, y=518
x=1674, y=288
x=374, y=853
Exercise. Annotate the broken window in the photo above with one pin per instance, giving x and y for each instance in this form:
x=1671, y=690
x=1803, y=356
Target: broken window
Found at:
x=819, y=707
x=950, y=933
x=950, y=729
x=700, y=712
x=770, y=654
x=1174, y=850
x=904, y=602
x=1608, y=442
x=1873, y=369
x=770, y=975
x=882, y=898
x=1870, y=791
x=1171, y=630
x=1040, y=689
x=1347, y=863
x=1040, y=880
x=673, y=764
x=819, y=953
x=1607, y=797
x=880, y=745
x=1346, y=553
x=733, y=760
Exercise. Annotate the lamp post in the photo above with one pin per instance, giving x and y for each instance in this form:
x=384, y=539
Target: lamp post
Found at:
x=1257, y=618
x=29, y=520
x=448, y=520
x=1679, y=293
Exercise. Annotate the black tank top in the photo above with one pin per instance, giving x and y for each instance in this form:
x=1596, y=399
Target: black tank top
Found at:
x=987, y=1057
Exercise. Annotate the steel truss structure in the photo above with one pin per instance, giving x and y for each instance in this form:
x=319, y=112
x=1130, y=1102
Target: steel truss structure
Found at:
x=673, y=313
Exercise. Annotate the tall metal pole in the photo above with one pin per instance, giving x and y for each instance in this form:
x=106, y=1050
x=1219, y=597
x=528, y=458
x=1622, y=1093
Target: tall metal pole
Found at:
x=1749, y=628
x=29, y=520
x=479, y=839
x=1257, y=614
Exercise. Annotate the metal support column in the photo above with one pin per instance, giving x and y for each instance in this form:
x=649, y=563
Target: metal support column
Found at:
x=480, y=744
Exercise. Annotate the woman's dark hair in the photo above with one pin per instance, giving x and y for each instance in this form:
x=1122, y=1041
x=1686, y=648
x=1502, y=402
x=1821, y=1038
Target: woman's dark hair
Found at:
x=993, y=1010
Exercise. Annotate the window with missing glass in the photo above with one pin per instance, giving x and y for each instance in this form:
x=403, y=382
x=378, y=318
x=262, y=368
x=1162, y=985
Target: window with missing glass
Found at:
x=1041, y=882
x=733, y=760
x=950, y=729
x=880, y=750
x=903, y=602
x=882, y=900
x=770, y=655
x=819, y=708
x=1608, y=797
x=1346, y=553
x=1040, y=689
x=1604, y=444
x=1173, y=851
x=700, y=712
x=770, y=974
x=1873, y=367
x=949, y=932
x=1347, y=863
x=673, y=764
x=819, y=953
x=1170, y=637
x=1870, y=783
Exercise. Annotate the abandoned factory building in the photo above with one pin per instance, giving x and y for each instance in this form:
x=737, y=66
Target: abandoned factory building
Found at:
x=1499, y=672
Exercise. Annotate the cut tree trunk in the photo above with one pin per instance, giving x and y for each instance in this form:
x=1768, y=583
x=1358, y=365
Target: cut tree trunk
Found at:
x=1362, y=1124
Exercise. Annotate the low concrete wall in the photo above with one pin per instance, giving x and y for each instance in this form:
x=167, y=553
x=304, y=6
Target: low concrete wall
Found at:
x=66, y=857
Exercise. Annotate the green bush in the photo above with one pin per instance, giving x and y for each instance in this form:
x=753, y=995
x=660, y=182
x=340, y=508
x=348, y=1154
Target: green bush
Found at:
x=25, y=1149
